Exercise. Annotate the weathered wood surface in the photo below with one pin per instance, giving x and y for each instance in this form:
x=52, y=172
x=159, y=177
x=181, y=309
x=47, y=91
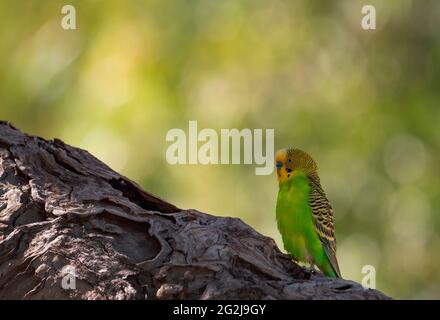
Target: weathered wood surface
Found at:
x=60, y=206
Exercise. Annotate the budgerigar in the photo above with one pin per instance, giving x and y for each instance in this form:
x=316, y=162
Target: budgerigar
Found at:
x=304, y=214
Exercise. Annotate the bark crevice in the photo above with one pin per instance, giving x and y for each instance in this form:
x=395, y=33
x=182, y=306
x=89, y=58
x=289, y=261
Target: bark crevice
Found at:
x=61, y=207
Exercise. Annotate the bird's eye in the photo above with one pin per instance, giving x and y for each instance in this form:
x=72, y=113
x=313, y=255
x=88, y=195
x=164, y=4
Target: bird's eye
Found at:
x=288, y=170
x=290, y=160
x=279, y=164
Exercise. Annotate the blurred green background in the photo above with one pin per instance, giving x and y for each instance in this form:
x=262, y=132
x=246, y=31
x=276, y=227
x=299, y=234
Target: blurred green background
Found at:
x=365, y=104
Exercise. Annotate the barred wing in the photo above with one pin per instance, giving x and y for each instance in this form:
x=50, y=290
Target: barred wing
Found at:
x=323, y=221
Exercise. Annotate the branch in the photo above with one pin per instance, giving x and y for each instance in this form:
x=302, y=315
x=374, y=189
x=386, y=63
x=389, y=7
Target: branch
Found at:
x=60, y=206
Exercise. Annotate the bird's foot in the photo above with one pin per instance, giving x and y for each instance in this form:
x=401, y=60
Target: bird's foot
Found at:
x=311, y=268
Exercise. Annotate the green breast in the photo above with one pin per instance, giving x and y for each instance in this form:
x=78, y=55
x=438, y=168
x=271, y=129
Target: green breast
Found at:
x=294, y=219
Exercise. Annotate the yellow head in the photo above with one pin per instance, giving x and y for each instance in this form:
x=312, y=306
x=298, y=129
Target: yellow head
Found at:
x=291, y=162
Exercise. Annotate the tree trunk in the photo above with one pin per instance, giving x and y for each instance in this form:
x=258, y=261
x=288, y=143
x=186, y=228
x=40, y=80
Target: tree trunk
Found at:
x=72, y=228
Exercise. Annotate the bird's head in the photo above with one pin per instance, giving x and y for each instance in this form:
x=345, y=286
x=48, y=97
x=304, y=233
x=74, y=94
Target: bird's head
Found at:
x=291, y=162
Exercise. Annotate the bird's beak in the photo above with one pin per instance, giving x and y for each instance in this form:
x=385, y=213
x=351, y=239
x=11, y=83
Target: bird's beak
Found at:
x=279, y=165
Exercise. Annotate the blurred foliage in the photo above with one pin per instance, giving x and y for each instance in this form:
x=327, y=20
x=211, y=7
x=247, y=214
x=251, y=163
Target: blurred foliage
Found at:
x=363, y=103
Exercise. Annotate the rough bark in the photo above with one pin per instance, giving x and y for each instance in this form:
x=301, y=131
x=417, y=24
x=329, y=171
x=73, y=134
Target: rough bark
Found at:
x=60, y=206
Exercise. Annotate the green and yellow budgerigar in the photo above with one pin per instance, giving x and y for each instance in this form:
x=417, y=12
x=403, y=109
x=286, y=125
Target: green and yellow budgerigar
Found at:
x=304, y=214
